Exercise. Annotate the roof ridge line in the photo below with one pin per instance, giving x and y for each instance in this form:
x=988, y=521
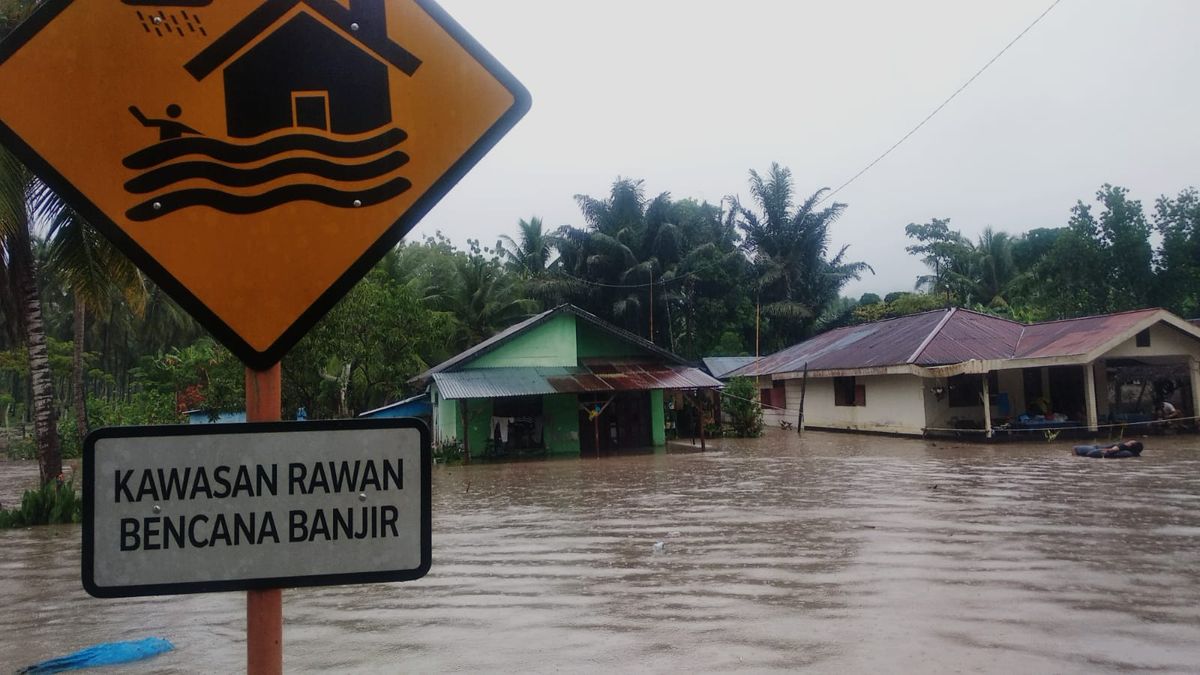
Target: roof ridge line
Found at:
x=1017, y=347
x=932, y=334
x=990, y=316
x=1097, y=316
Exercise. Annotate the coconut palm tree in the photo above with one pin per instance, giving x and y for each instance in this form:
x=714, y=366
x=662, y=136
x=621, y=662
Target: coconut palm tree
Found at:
x=23, y=199
x=480, y=298
x=789, y=247
x=530, y=254
x=532, y=257
x=996, y=271
x=93, y=270
x=629, y=246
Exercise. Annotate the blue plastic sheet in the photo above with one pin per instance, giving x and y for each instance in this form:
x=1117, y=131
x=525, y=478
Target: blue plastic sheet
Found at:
x=106, y=654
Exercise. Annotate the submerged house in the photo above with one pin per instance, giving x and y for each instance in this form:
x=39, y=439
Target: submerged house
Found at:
x=955, y=371
x=563, y=382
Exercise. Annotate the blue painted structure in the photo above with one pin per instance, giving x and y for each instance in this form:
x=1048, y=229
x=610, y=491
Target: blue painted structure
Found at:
x=201, y=417
x=414, y=406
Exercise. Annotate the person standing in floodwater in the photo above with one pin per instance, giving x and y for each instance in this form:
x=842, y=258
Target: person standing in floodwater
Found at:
x=167, y=129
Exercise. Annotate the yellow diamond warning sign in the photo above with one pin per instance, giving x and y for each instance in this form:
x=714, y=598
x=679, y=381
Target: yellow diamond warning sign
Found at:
x=254, y=157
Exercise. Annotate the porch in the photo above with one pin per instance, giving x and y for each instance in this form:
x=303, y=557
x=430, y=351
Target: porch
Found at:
x=1077, y=400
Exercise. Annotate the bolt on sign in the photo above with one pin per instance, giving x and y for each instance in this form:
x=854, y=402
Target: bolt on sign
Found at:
x=254, y=157
x=225, y=507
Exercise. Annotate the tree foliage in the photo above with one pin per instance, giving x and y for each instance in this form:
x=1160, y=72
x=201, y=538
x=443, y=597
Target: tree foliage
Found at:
x=1103, y=260
x=796, y=278
x=740, y=400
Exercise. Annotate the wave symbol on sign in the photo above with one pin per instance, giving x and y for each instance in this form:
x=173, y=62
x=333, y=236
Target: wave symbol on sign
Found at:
x=220, y=163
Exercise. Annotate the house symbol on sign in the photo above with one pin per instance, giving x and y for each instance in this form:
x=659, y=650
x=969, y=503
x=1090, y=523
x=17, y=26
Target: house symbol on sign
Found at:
x=319, y=74
x=304, y=73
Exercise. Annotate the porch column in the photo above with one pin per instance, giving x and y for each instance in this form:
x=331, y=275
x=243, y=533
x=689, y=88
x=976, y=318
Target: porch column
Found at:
x=987, y=407
x=1089, y=396
x=658, y=426
x=1194, y=371
x=1103, y=404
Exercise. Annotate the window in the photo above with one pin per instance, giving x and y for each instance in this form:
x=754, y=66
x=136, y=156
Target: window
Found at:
x=779, y=395
x=1143, y=338
x=764, y=397
x=965, y=390
x=847, y=392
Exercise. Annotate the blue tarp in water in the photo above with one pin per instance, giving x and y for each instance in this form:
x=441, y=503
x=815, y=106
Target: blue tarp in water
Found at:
x=106, y=654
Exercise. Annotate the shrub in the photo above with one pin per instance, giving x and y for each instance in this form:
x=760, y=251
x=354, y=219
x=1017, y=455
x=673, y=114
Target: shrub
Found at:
x=447, y=453
x=142, y=407
x=21, y=447
x=68, y=437
x=745, y=412
x=55, y=502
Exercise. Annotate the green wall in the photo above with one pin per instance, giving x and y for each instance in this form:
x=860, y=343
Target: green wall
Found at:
x=550, y=344
x=479, y=417
x=561, y=341
x=658, y=430
x=594, y=342
x=448, y=423
x=561, y=417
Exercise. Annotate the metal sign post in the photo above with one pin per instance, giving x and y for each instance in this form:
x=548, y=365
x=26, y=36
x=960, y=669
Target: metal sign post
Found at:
x=264, y=608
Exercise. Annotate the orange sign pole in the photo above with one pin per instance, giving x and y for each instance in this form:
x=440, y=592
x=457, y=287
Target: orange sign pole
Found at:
x=264, y=609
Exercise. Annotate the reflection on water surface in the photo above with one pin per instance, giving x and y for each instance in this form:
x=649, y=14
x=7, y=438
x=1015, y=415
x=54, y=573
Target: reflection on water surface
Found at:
x=837, y=552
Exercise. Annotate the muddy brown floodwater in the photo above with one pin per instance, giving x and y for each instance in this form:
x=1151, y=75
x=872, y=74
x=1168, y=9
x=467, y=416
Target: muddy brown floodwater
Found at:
x=834, y=553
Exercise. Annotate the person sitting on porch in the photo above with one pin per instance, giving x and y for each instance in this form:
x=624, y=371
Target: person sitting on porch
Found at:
x=1166, y=411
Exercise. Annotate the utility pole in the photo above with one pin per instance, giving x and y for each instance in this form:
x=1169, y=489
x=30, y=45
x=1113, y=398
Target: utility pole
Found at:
x=652, y=303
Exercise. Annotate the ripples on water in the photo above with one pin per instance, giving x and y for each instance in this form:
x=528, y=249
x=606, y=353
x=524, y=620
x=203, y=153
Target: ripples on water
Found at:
x=836, y=552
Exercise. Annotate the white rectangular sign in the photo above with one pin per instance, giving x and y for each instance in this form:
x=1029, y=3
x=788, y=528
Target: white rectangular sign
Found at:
x=221, y=507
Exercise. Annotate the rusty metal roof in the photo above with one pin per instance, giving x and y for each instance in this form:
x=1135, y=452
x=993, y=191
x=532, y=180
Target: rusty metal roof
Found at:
x=1076, y=336
x=944, y=337
x=967, y=335
x=880, y=343
x=596, y=376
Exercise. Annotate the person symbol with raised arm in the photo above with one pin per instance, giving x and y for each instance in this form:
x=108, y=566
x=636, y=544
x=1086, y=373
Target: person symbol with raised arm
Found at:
x=167, y=129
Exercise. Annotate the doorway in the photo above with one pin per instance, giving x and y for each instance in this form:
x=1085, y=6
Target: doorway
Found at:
x=624, y=424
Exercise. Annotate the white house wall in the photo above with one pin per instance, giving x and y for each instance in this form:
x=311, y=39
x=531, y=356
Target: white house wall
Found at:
x=1164, y=341
x=894, y=405
x=941, y=416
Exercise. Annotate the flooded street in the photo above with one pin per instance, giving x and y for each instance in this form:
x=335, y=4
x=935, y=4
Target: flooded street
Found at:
x=838, y=553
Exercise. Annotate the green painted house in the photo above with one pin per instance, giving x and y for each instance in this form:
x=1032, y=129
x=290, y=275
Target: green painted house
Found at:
x=564, y=382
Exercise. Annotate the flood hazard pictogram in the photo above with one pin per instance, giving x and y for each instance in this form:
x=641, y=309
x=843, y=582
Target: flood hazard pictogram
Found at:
x=308, y=117
x=255, y=158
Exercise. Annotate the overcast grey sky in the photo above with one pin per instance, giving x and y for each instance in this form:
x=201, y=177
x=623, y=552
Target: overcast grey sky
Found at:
x=691, y=94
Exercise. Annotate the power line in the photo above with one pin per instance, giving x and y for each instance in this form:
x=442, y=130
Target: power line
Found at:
x=659, y=282
x=943, y=104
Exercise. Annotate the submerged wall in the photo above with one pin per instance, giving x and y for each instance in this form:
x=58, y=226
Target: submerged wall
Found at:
x=658, y=423
x=894, y=404
x=561, y=430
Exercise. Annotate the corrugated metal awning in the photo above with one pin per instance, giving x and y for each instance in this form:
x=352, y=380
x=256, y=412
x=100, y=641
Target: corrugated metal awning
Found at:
x=596, y=377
